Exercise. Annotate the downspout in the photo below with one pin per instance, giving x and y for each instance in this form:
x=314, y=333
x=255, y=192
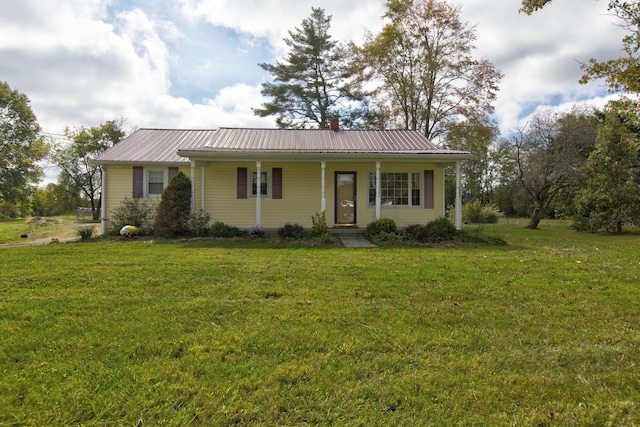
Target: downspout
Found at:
x=323, y=197
x=258, y=193
x=378, y=191
x=458, y=199
x=202, y=189
x=193, y=187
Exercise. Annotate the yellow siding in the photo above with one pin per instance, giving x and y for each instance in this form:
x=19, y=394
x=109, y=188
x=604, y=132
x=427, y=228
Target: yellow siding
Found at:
x=301, y=193
x=119, y=186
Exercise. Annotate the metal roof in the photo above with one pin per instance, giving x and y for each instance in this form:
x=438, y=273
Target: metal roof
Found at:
x=155, y=146
x=175, y=146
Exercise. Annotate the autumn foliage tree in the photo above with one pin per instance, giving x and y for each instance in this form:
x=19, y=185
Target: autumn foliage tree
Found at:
x=423, y=61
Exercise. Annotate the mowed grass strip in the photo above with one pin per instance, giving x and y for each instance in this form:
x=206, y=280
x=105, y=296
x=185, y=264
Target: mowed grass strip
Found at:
x=541, y=332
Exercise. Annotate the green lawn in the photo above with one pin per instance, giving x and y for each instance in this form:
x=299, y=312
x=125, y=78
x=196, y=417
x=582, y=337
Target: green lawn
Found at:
x=543, y=331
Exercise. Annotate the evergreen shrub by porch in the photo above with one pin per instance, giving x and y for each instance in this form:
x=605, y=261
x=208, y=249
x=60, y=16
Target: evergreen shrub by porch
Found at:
x=386, y=225
x=172, y=217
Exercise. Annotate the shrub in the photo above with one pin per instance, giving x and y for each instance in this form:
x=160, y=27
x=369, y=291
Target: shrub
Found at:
x=441, y=229
x=175, y=206
x=86, y=232
x=137, y=212
x=256, y=231
x=199, y=224
x=416, y=233
x=319, y=224
x=386, y=225
x=292, y=231
x=475, y=213
x=220, y=229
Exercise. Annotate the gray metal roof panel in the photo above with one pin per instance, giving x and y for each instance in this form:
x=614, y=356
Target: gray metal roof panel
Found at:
x=162, y=145
x=155, y=145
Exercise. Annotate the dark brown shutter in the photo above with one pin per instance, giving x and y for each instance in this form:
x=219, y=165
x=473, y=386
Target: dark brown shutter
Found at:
x=428, y=189
x=276, y=182
x=172, y=172
x=138, y=182
x=242, y=183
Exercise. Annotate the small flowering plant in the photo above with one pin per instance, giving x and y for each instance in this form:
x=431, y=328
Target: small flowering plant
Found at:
x=256, y=231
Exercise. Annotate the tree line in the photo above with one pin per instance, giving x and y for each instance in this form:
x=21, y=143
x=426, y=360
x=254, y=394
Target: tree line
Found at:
x=420, y=72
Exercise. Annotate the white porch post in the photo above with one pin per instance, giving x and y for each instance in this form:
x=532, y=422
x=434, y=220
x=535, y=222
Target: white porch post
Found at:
x=202, y=189
x=378, y=191
x=103, y=202
x=323, y=198
x=193, y=187
x=458, y=199
x=258, y=192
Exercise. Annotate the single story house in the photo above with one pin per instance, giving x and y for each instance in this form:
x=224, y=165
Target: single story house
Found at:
x=269, y=177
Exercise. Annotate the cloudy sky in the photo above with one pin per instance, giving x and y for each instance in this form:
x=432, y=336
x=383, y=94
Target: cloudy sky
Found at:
x=193, y=63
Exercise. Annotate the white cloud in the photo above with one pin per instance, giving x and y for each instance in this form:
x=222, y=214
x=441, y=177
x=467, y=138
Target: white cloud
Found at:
x=272, y=19
x=80, y=62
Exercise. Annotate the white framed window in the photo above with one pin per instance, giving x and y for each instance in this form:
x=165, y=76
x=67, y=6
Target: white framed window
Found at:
x=155, y=183
x=396, y=189
x=264, y=184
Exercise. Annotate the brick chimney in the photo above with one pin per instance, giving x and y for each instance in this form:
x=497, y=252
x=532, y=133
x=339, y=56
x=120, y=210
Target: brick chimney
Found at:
x=334, y=125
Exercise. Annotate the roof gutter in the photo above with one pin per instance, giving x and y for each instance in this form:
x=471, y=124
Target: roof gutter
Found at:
x=335, y=156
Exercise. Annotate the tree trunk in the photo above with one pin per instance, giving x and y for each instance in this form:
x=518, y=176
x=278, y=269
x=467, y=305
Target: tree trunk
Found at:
x=536, y=217
x=619, y=227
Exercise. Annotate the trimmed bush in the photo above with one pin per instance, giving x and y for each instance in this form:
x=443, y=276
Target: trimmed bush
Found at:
x=441, y=229
x=386, y=225
x=175, y=207
x=292, y=231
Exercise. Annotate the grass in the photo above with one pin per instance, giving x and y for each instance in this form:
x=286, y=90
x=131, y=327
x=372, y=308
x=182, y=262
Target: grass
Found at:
x=60, y=227
x=543, y=331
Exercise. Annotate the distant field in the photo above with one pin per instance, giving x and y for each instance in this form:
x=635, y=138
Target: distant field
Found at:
x=544, y=331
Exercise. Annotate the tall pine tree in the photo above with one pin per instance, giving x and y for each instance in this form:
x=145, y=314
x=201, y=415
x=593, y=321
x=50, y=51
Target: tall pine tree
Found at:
x=312, y=84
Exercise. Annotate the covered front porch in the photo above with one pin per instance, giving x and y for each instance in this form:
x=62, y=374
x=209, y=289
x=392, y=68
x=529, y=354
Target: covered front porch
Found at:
x=269, y=191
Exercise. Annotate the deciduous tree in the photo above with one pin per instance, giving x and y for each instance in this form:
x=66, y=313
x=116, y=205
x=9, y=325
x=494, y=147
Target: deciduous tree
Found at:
x=21, y=147
x=312, y=84
x=76, y=157
x=611, y=196
x=548, y=155
x=424, y=64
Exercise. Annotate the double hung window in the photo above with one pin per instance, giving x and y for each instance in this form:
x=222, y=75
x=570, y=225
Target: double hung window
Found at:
x=396, y=189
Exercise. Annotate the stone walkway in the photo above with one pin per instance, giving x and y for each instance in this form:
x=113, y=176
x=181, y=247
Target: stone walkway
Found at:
x=355, y=241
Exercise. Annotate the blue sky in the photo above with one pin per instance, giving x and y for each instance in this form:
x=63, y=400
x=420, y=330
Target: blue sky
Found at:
x=194, y=63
